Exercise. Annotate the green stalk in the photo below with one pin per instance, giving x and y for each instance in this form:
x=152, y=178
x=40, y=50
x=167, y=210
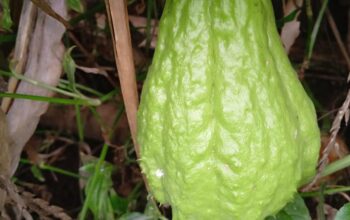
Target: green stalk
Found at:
x=94, y=102
x=44, y=166
x=329, y=169
x=309, y=15
x=328, y=191
x=148, y=25
x=316, y=29
x=109, y=95
x=336, y=166
x=46, y=99
x=102, y=157
x=64, y=85
x=320, y=206
x=79, y=123
x=94, y=181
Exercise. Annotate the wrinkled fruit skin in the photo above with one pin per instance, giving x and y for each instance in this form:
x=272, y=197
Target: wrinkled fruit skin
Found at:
x=225, y=128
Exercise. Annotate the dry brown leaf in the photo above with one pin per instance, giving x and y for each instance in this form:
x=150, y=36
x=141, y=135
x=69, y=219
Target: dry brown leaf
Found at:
x=291, y=30
x=92, y=127
x=93, y=70
x=289, y=34
x=101, y=20
x=43, y=65
x=5, y=162
x=43, y=208
x=329, y=211
x=15, y=205
x=24, y=33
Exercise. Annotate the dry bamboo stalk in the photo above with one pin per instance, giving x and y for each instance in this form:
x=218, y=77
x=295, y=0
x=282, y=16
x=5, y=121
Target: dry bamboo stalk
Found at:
x=119, y=21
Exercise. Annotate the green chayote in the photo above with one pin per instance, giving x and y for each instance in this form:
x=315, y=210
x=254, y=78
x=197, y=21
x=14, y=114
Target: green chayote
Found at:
x=225, y=128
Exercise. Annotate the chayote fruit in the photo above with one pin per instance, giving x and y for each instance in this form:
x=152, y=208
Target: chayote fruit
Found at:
x=225, y=128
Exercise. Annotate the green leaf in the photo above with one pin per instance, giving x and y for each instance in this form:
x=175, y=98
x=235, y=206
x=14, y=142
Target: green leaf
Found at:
x=6, y=21
x=343, y=213
x=295, y=210
x=69, y=67
x=290, y=17
x=281, y=215
x=100, y=203
x=315, y=30
x=37, y=173
x=119, y=204
x=4, y=38
x=153, y=211
x=136, y=216
x=75, y=5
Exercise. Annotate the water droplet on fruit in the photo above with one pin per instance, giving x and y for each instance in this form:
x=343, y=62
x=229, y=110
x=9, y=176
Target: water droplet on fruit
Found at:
x=159, y=173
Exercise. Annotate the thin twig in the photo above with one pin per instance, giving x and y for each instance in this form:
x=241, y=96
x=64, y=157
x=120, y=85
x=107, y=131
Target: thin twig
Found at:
x=345, y=196
x=338, y=38
x=46, y=7
x=327, y=114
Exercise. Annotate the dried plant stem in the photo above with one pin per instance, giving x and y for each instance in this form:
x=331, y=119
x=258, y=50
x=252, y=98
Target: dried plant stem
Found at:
x=338, y=39
x=118, y=16
x=345, y=196
x=119, y=22
x=342, y=112
x=25, y=30
x=348, y=34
